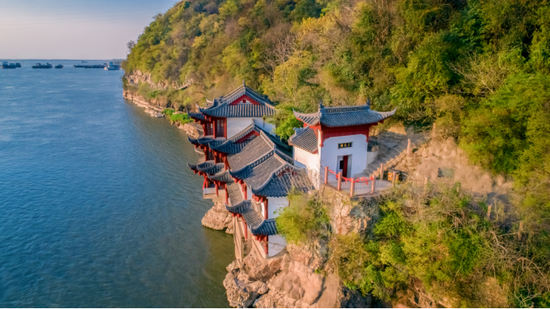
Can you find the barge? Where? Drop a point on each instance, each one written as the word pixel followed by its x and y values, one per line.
pixel 42 66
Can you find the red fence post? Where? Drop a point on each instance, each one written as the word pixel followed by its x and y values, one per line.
pixel 326 175
pixel 339 181
pixel 373 183
pixel 352 188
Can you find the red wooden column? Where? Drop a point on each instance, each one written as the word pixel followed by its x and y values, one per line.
pixel 225 162
pixel 265 208
pixel 266 248
pixel 216 184
pixel 245 191
pixel 214 128
pixel 225 127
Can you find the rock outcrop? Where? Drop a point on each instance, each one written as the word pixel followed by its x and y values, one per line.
pixel 289 281
pixel 192 129
pixel 442 160
pixel 349 215
pixel 218 218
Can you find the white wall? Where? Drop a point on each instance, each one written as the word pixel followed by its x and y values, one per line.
pixel 330 152
pixel 273 204
pixel 268 127
pixel 371 157
pixel 236 125
pixel 276 244
pixel 309 161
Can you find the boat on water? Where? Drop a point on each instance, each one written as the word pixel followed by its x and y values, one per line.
pixel 17 65
pixel 95 66
pixel 78 65
pixel 42 66
pixel 59 66
pixel 6 65
pixel 112 67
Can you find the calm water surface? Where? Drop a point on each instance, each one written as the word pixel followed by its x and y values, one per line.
pixel 97 205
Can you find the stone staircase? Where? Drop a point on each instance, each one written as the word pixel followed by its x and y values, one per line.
pixel 392 149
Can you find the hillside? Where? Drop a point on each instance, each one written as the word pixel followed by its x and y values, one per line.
pixel 478 69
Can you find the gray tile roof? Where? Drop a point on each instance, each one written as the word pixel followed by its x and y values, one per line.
pixel 198 116
pixel 240 208
pixel 233 146
pixel 254 219
pixel 342 116
pixel 221 107
pixel 208 167
pixel 200 155
pixel 222 176
pixel 257 148
pixel 273 175
pixel 268 227
pixel 258 225
pixel 304 138
pixel 204 140
pixel 283 180
pixel 235 194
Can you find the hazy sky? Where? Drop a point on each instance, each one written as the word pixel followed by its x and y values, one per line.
pixel 73 29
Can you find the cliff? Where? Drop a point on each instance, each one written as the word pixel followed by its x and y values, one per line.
pixel 300 276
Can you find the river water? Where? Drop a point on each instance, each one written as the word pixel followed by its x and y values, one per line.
pixel 97 205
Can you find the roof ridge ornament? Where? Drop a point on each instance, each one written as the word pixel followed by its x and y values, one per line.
pixel 244 83
pixel 368 103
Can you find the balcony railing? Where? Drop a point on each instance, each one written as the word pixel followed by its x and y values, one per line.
pixel 355 186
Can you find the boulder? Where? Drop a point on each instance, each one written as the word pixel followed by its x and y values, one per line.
pixel 261 269
pixel 218 218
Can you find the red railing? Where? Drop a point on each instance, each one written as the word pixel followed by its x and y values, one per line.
pixel 361 185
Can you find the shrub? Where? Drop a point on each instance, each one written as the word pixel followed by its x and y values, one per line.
pixel 304 219
pixel 181 118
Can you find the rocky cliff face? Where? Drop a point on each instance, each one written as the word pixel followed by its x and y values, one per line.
pixel 138 77
pixel 297 278
pixel 218 218
pixel 158 104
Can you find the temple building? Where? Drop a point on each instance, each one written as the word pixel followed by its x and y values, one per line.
pixel 245 165
pixel 337 138
pixel 242 160
pixel 229 115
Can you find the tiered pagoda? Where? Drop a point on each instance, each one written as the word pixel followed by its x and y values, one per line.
pixel 241 158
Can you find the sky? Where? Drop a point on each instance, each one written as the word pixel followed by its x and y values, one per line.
pixel 73 29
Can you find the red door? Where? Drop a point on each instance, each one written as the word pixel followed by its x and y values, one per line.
pixel 345 168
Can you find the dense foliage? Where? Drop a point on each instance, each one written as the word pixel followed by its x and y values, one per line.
pixel 181 118
pixel 479 69
pixel 447 247
pixel 306 219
